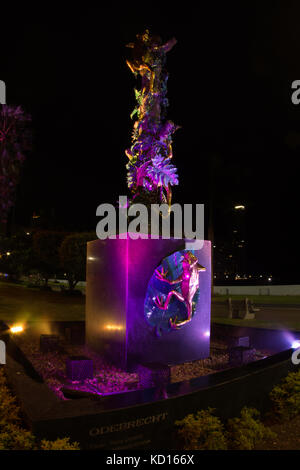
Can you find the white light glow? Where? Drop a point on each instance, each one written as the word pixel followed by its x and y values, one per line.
pixel 113 327
pixel 17 329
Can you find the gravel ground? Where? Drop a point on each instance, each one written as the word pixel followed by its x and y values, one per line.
pixel 108 378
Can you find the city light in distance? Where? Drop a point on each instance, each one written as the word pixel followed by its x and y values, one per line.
pixel 239 207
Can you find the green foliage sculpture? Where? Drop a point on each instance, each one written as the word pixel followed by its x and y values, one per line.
pixel 151 173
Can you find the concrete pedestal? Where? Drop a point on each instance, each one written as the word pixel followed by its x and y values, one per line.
pixel 119 272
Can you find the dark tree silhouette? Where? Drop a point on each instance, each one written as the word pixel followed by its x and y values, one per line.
pixel 14 142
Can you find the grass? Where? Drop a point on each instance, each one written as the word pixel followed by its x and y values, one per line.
pixel 20 304
pixel 261 299
pixel 275 312
pixel 284 325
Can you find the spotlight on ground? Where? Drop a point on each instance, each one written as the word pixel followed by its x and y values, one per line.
pixel 113 327
pixel 16 329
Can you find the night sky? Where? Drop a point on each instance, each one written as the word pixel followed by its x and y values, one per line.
pixel 229 88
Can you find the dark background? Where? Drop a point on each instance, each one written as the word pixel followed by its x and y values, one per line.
pixel 230 81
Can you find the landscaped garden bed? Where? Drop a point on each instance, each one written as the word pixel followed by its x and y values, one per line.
pixel 107 378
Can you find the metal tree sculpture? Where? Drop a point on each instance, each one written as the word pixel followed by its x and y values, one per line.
pixel 14 141
pixel 150 171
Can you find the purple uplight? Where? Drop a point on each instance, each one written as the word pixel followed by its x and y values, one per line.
pixel 207 333
pixel 295 344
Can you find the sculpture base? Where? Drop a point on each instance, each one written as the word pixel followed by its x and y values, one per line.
pixel 120 283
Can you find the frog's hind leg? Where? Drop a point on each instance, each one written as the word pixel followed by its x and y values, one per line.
pixel 164 306
pixel 174 324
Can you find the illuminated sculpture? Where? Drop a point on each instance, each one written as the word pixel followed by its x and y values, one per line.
pixel 150 171
pixel 134 314
pixel 189 284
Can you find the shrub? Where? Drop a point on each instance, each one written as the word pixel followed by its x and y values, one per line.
pixel 19 261
pixel 285 397
pixel 60 444
pixel 202 431
pixel 247 431
pixel 14 437
pixel 9 411
pixel 72 254
pixel 46 251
